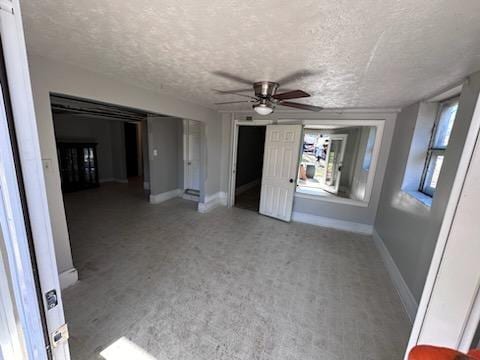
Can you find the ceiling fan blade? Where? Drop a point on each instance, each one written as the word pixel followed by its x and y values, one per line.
pixel 233 77
pixel 297 75
pixel 294 94
pixel 300 106
pixel 242 95
pixel 233 102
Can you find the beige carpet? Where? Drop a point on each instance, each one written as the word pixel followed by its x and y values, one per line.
pixel 229 285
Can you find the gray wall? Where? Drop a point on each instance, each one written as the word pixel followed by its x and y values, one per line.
pixel 109 136
pixel 251 143
pixel 163 136
pixel 408 228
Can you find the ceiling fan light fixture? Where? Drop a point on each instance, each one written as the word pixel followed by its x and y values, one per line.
pixel 263 108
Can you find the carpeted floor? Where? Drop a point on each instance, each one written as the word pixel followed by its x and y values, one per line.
pixel 230 284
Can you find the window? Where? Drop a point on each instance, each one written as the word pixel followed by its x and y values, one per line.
pixel 442 129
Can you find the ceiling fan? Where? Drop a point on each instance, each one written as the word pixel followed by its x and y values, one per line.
pixel 265 93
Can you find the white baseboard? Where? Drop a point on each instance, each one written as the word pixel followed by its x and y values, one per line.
pixel 212 201
pixel 159 198
pixel 68 278
pixel 146 185
pixel 241 189
pixel 409 303
pixel 332 223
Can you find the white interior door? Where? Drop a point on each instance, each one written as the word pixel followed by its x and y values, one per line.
pixel 193 156
pixel 282 148
pixel 334 161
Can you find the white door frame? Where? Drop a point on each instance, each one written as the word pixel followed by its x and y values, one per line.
pixel 233 153
pixel 19 84
pixel 16 253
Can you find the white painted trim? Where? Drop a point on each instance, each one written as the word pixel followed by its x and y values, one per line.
pixel 446 93
pixel 68 278
pixel 146 185
pixel 332 223
pixel 409 303
pixel 11 341
pixel 17 254
pixel 213 201
pixel 245 187
pixel 159 198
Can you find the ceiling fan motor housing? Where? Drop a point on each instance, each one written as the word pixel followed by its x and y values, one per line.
pixel 265 89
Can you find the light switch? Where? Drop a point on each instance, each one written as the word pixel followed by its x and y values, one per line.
pixel 155 152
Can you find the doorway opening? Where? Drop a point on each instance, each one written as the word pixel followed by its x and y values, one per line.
pixel 249 166
pixel 133 149
pixel 98 144
pixel 191 159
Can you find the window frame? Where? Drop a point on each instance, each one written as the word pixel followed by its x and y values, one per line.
pixel 433 151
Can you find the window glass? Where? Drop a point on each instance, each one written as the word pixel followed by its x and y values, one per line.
pixel 445 124
pixel 433 173
pixel 438 145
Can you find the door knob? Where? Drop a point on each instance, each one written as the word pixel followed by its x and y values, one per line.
pixel 291 180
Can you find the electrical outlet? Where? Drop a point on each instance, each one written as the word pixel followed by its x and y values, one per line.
pixel 155 152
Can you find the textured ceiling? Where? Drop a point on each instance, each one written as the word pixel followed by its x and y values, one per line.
pixel 369 53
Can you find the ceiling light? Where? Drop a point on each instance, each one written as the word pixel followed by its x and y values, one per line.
pixel 264 108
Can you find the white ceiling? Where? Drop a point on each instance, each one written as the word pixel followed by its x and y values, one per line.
pixel 369 53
